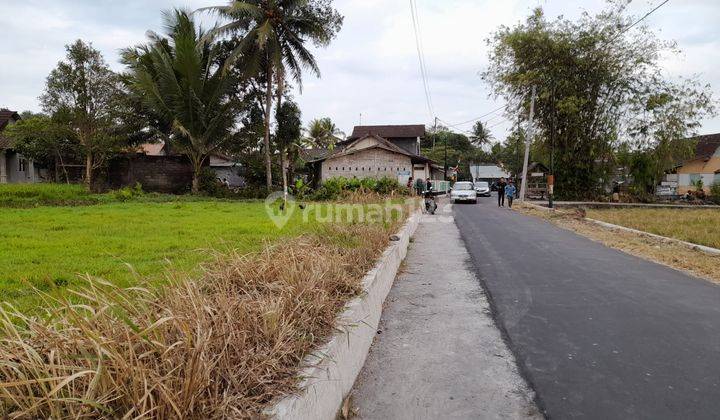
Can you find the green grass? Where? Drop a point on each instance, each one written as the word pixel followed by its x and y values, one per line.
pixel 52 234
pixel 699 226
pixel 32 195
pixel 49 247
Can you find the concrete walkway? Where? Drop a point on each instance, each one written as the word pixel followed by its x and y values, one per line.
pixel 438 353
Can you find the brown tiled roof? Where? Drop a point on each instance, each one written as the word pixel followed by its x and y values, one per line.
pixel 388 131
pixel 312 155
pixel 5 143
pixel 6 116
pixel 340 149
pixel 707 145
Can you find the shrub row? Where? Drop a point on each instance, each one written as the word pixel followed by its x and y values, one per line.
pixel 338 187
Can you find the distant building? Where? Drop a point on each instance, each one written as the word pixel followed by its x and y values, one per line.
pixel 379 151
pixel 226 168
pixel 488 172
pixel 14 167
pixel 704 165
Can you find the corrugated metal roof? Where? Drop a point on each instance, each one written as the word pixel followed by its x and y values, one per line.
pixel 488 171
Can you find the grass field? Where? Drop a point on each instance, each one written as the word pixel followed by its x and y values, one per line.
pixel 701 226
pixel 222 339
pixel 48 247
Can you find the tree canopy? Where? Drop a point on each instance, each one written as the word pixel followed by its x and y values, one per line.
pixel 271 38
pixel 598 85
pixel 84 94
pixel 180 79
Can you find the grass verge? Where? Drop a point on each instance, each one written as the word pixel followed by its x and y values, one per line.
pixel 699 226
pixel 677 256
pixel 221 346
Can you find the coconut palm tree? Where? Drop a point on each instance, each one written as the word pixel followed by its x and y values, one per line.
pixel 322 132
pixel 481 135
pixel 180 79
pixel 272 36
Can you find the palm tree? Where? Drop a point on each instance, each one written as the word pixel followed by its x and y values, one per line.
pixel 481 135
pixel 180 79
pixel 272 36
pixel 322 132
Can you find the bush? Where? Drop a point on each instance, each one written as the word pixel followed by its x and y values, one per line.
pixel 339 187
pixel 211 186
pixel 715 193
pixel 127 193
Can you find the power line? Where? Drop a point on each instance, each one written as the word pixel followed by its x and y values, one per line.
pixel 477 118
pixel 637 21
pixel 498 123
pixel 421 57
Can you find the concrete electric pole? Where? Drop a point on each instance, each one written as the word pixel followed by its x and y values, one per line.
pixel 528 141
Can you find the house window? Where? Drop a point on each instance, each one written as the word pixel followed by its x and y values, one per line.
pixel 695 178
pixel 343 168
pixel 22 164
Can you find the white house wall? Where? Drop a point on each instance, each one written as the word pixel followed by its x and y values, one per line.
pixel 14 174
pixel 371 163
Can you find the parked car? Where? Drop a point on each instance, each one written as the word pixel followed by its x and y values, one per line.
pixel 463 191
pixel 482 189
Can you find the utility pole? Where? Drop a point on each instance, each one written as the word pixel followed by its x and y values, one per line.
pixel 528 140
pixel 360 119
pixel 551 178
pixel 446 167
pixel 434 133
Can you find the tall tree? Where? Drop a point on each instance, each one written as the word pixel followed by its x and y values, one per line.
pixel 287 135
pixel 322 132
pixel 594 80
pixel 181 80
pixel 82 92
pixel 272 38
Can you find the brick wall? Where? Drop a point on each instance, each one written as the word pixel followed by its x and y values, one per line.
pixel 373 163
pixel 167 174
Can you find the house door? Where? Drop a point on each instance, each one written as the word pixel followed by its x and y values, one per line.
pixel 419 172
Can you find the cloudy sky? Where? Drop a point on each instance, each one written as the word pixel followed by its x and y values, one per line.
pixel 370 69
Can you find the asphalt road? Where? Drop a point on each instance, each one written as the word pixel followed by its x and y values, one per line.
pixel 598 333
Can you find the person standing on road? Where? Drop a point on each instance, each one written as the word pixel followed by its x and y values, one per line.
pixel 510 192
pixel 428 185
pixel 501 192
pixel 420 186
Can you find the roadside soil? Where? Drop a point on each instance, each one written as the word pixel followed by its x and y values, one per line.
pixel 696 263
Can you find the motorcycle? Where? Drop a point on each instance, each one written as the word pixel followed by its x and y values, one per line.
pixel 430 204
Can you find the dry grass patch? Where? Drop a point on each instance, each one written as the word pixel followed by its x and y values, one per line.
pixel 223 346
pixel 677 256
pixel 699 226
